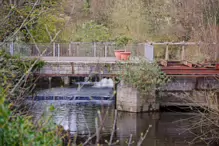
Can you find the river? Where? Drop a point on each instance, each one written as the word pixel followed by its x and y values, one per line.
pixel 78 116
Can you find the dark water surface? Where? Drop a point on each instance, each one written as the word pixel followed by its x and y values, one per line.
pixel 79 117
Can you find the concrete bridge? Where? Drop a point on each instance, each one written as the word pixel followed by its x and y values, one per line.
pixel 191 85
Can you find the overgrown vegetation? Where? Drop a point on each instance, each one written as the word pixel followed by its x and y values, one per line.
pixel 21 131
pixel 159 20
pixel 16 127
pixel 92 32
pixel 143 75
pixel 99 20
pixel 12 70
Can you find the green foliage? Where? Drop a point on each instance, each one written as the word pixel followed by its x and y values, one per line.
pixel 47 26
pixel 92 32
pixel 122 41
pixel 12 68
pixel 19 17
pixel 86 6
pixel 19 130
pixel 142 75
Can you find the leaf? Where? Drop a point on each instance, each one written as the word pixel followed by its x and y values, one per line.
pixel 51 108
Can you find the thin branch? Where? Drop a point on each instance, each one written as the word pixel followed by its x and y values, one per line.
pixel 23 23
pixel 33 39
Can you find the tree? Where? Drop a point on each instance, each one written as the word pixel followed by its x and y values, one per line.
pixel 18 16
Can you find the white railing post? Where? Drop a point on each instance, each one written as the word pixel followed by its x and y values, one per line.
pixel 58 51
pixel 167 52
pixel 95 49
pixel 106 51
pixel 183 52
pixel 54 49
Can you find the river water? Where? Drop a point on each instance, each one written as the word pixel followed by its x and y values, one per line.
pixel 78 116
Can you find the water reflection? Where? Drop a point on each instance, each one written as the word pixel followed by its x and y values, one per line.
pixel 80 118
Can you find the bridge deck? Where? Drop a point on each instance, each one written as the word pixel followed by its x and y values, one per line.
pixel 79 59
pixel 172 68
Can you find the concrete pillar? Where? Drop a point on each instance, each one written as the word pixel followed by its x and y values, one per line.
pixel 66 81
pixel 129 99
pixel 50 82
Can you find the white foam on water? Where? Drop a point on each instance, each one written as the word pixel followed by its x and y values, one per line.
pixel 104 83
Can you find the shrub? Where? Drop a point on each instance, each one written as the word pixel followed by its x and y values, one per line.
pixel 92 32
pixel 143 75
pixel 16 128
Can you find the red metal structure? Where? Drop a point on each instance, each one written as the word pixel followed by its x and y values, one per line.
pixel 188 68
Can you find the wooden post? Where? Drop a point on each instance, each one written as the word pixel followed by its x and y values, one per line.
pixel 216 52
pixel 183 52
pixel 54 49
pixel 106 51
pixel 95 49
pixel 167 52
pixel 50 82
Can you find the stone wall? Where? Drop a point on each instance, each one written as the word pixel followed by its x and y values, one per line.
pixel 57 68
pixel 78 68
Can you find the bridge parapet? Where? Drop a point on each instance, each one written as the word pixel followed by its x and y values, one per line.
pixel 79 69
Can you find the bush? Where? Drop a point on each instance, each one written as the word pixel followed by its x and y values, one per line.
pixel 20 131
pixel 92 32
pixel 16 128
pixel 143 75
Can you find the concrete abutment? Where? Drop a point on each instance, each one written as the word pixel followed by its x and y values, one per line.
pixel 200 92
pixel 129 99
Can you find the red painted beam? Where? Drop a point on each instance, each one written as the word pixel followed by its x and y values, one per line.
pixel 191 71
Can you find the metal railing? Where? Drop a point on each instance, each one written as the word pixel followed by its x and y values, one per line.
pixel 74 49
pixel 99 49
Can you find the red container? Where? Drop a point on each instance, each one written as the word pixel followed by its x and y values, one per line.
pixel 217 66
pixel 118 54
pixel 125 55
